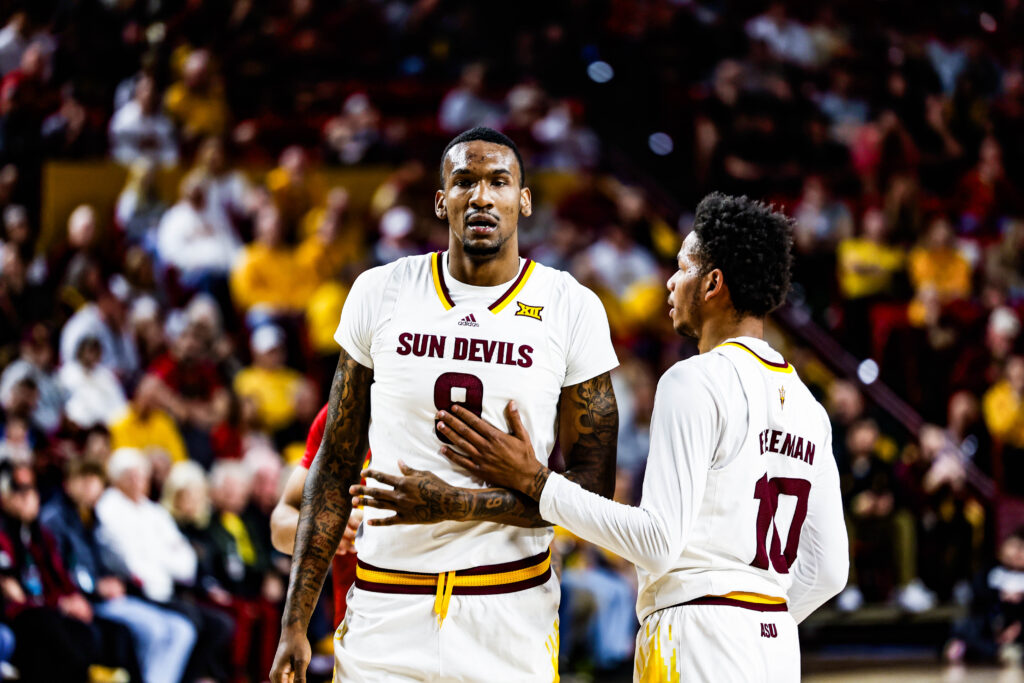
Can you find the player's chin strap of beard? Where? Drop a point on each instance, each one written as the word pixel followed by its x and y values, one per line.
pixel 443 596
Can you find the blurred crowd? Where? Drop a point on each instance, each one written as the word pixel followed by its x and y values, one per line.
pixel 160 366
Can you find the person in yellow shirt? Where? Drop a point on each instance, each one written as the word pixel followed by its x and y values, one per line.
pixel 268 275
pixel 329 243
pixel 275 388
pixel 294 187
pixel 936 264
pixel 1003 405
pixel 867 267
pixel 196 103
pixel 146 427
pixel 867 263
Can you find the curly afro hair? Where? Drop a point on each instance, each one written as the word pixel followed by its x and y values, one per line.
pixel 751 244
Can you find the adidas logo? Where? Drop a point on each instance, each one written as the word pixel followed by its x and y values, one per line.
pixel 469 321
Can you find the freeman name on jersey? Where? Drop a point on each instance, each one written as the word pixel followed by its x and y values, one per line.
pixel 792 445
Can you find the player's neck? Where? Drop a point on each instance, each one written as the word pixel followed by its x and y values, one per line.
pixel 717 330
pixel 484 272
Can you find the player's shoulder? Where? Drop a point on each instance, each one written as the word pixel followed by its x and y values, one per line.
pixel 706 372
pixel 400 269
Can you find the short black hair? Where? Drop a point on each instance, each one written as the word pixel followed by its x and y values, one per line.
pixel 486 135
pixel 751 244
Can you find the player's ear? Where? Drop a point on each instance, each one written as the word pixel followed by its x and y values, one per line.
pixel 440 207
pixel 525 202
pixel 714 283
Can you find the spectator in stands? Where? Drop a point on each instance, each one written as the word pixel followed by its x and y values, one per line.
pixel 196 103
pixel 333 244
pixel 49 616
pixel 139 130
pixel 266 280
pixel 139 532
pixel 1003 406
pixel 985 194
pixel 36 362
pixel 163 639
pixel 94 395
pixel 882 532
pixel 139 206
pixel 187 241
pixel 1004 262
pixel 936 265
pixel 69 132
pixel 144 536
pixel 275 388
pixel 867 266
pixel 192 392
pixel 464 106
pixel 354 136
pixel 992 629
pixel 14 40
pixel 186 498
pixel 788 39
pixel 228 194
pixel 147 428
pixel 103 319
pixel 242 566
pixel 294 188
pixel 26 97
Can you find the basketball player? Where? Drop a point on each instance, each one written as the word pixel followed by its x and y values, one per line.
pixel 739 534
pixel 284 520
pixel 471 595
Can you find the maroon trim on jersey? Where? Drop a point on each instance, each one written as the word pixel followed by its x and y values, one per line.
pixel 472 571
pixel 731 602
pixel 513 587
pixel 783 365
pixel 375 587
pixel 512 288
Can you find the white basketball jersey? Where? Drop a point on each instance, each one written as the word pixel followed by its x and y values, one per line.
pixel 773 455
pixel 741 493
pixel 432 342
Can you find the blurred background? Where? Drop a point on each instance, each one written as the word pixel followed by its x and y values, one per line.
pixel 188 188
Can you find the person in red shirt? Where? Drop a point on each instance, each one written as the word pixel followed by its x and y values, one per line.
pixel 284 520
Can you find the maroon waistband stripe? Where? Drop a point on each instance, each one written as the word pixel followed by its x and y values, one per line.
pixel 375 587
pixel 472 571
pixel 732 602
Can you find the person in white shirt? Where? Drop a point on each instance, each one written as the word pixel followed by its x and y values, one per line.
pixel 140 130
pixel 470 594
pixel 95 397
pixel 739 534
pixel 189 242
pixel 141 533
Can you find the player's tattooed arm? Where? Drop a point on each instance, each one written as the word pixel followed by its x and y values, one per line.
pixel 420 497
pixel 325 504
pixel 588 432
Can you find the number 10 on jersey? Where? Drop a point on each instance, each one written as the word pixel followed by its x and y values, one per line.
pixel 767 491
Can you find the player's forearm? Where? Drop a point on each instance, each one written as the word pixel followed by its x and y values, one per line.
pixel 325 501
pixel 284 522
pixel 638 534
pixel 503 506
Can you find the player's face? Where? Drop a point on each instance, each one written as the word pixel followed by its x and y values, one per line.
pixel 482 199
pixel 684 288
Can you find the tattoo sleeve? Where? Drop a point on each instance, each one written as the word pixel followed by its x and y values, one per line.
pixel 588 434
pixel 326 502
